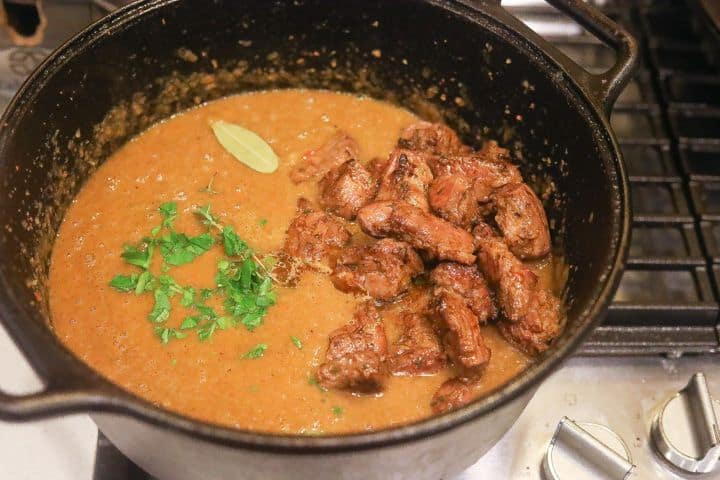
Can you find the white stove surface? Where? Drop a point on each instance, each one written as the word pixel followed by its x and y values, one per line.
pixel 619 392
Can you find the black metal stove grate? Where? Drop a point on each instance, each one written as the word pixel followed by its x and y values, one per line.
pixel 668 124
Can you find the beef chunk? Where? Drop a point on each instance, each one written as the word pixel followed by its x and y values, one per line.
pixel 534 333
pixel 451 395
pixel 521 219
pixel 382 270
pixel 458 327
pixel 470 284
pixel 356 354
pixel 434 138
pixel 490 166
pixel 532 314
pixel 405 177
pixel 338 149
pixel 314 235
pixel 437 237
pixel 417 351
pixel 451 198
pixel 343 190
pixel 463 186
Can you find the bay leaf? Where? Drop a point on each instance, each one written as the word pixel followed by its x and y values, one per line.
pixel 245 145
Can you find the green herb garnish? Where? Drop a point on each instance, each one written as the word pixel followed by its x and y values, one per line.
pixel 257 351
pixel 262 222
pixel 337 411
pixel 296 341
pixel 243 281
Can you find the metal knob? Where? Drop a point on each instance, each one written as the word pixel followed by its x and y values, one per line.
pixel 581 451
pixel 685 430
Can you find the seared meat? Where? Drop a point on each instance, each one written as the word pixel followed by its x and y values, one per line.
pixel 417 351
pixel 491 166
pixel 532 314
pixel 338 149
pixel 356 354
pixel 459 330
pixel 470 284
pixel 382 270
pixel 521 218
pixel 451 197
pixel 314 235
pixel 463 185
pixel 406 177
pixel 422 230
pixel 451 395
pixel 434 138
pixel 343 190
pixel 534 333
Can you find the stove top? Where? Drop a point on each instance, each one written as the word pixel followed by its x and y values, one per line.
pixel 668 124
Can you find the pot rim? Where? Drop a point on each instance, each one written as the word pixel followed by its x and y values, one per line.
pixel 111 398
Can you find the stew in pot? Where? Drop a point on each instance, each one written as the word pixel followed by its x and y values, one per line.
pixel 305 262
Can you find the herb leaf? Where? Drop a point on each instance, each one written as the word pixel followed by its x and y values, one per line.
pixel 337 411
pixel 161 309
pixel 169 212
pixel 246 146
pixel 135 256
pixel 179 249
pixel 257 351
pixel 234 246
pixel 296 341
pixel 124 283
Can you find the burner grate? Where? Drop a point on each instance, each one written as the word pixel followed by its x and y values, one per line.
pixel 668 124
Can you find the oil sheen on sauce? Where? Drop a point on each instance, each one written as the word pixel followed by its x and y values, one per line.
pixel 211 381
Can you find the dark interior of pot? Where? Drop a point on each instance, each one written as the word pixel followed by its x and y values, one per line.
pixel 120 77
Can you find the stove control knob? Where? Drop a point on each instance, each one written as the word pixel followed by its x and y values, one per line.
pixel 685 430
pixel 586 450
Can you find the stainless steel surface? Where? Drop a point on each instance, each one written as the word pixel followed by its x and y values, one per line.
pixel 685 429
pixel 586 450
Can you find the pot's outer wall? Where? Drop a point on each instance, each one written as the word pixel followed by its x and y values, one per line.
pixel 442 456
pixel 132 70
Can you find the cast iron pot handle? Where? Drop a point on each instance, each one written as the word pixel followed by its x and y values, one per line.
pixel 604 88
pixel 68 387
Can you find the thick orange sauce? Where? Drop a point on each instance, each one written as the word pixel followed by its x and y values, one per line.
pixel 174 161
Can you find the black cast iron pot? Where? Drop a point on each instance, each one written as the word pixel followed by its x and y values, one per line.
pixel 469 63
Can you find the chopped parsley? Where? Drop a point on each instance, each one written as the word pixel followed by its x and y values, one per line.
pixel 243 282
pixel 262 222
pixel 337 411
pixel 296 341
pixel 257 351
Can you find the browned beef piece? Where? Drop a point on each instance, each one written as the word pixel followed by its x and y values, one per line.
pixel 451 198
pixel 336 150
pixel 383 270
pixel 490 166
pixel 434 138
pixel 521 219
pixel 406 177
pixel 437 237
pixel 417 351
pixel 451 395
pixel 356 354
pixel 468 282
pixel 463 186
pixel 459 330
pixel 314 235
pixel 343 190
pixel 532 314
